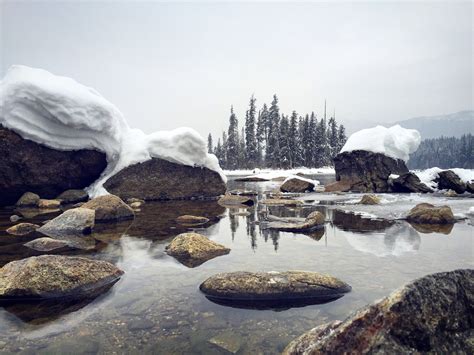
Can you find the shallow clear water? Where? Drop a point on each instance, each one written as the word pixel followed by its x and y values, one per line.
pixel 157 307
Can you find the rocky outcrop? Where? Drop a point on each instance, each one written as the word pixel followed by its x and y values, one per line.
pixel 29 166
pixel 314 221
pixel 296 185
pixel 74 222
pixel 72 196
pixel 366 171
pixel 426 213
pixel 433 314
pixel 158 179
pixel 408 182
pixel 109 208
pixel 53 276
pixel 28 199
pixel 235 200
pixel 370 200
pixel 449 180
pixel 22 229
pixel 192 220
pixel 192 249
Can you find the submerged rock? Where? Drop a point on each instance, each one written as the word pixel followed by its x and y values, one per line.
pixel 51 204
pixel 314 220
pixel 73 222
pixel 251 179
pixel 430 315
pixel 14 218
pixel 365 171
pixel 46 244
pixel 72 196
pixel 409 182
pixel 29 166
pixel 28 199
pixel 158 179
pixel 426 213
pixel 235 200
pixel 297 185
pixel 282 202
pixel 192 220
pixel 241 287
pixel 52 276
pixel 449 180
pixel 370 200
pixel 22 229
pixel 109 208
pixel 228 341
pixel 192 249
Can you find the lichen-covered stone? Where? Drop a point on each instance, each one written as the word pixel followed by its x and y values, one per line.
pixel 73 222
pixel 28 199
pixel 45 244
pixel 369 200
pixel 51 204
pixel 22 229
pixel 433 314
pixel 192 249
pixel 109 208
pixel 426 213
pixel 52 276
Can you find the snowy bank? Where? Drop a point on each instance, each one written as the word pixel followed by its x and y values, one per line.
pixel 60 113
pixel 396 142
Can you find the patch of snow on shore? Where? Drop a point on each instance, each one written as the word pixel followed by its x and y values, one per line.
pixel 278 173
pixel 428 176
pixel 396 142
pixel 60 113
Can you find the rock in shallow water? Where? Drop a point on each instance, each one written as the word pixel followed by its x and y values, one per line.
pixel 46 244
pixel 192 249
pixel 430 315
pixel 449 180
pixel 73 196
pixel 426 213
pixel 191 220
pixel 235 200
pixel 314 220
pixel 52 276
pixel 43 203
pixel 28 199
pixel 257 288
pixel 409 182
pixel 296 185
pixel 109 208
pixel 369 200
pixel 22 229
pixel 73 222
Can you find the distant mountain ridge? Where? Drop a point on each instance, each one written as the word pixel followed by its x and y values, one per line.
pixel 449 125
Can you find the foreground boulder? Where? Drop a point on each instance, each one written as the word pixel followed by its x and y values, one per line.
pixel 29 166
pixel 273 287
pixel 430 315
pixel 72 196
pixel 365 171
pixel 426 213
pixel 28 199
pixel 22 229
pixel 235 200
pixel 297 185
pixel 109 208
pixel 370 200
pixel 53 276
pixel 192 249
pixel 314 221
pixel 73 222
pixel 409 182
pixel 192 220
pixel 158 179
pixel 449 180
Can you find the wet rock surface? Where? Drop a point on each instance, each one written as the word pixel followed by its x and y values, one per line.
pixel 158 179
pixel 370 200
pixel 426 213
pixel 193 249
pixel 366 171
pixel 314 221
pixel 449 180
pixel 72 196
pixel 73 222
pixel 29 166
pixel 23 229
pixel 28 199
pixel 109 208
pixel 45 244
pixel 409 182
pixel 296 185
pixel 430 315
pixel 235 200
pixel 192 220
pixel 52 276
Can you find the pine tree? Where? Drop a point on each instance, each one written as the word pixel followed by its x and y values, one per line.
pixel 294 141
pixel 341 139
pixel 233 143
pixel 242 149
pixel 251 144
pixel 285 159
pixel 210 147
pixel 224 150
pixel 333 137
pixel 273 144
pixel 306 141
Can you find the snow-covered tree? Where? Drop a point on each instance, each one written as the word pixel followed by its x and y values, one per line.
pixel 251 144
pixel 233 143
pixel 210 147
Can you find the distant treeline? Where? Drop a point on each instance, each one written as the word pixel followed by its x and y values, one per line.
pixel 274 140
pixel 444 152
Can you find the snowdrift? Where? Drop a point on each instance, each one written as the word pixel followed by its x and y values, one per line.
pixel 63 114
pixel 396 142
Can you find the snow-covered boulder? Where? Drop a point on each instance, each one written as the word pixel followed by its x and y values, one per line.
pixel 59 114
pixel 370 156
pixel 296 183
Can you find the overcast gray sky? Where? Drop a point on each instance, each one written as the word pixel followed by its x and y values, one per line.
pixel 167 65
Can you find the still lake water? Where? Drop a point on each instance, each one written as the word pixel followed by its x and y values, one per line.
pixel 157 308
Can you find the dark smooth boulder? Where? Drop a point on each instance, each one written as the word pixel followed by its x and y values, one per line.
pixel 433 315
pixel 426 213
pixel 366 171
pixel 409 182
pixel 470 187
pixel 29 166
pixel 296 185
pixel 449 180
pixel 158 179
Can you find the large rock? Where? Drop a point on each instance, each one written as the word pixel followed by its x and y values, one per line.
pixel 426 213
pixel 73 222
pixel 433 314
pixel 28 199
pixel 72 196
pixel 29 166
pixel 109 208
pixel 409 182
pixel 235 200
pixel 240 287
pixel 366 171
pixel 52 276
pixel 158 179
pixel 296 185
pixel 370 200
pixel 192 249
pixel 314 221
pixel 449 180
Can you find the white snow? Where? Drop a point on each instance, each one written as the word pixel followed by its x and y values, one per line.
pixel 428 176
pixel 314 182
pixel 62 114
pixel 396 142
pixel 271 174
pixel 471 211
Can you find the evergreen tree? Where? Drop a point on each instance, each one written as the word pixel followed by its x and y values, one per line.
pixel 333 137
pixel 314 153
pixel 251 144
pixel 224 151
pixel 342 139
pixel 294 142
pixel 285 159
pixel 233 143
pixel 218 152
pixel 262 133
pixel 306 141
pixel 273 143
pixel 243 163
pixel 210 148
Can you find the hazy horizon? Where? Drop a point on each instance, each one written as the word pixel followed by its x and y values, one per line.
pixel 166 65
